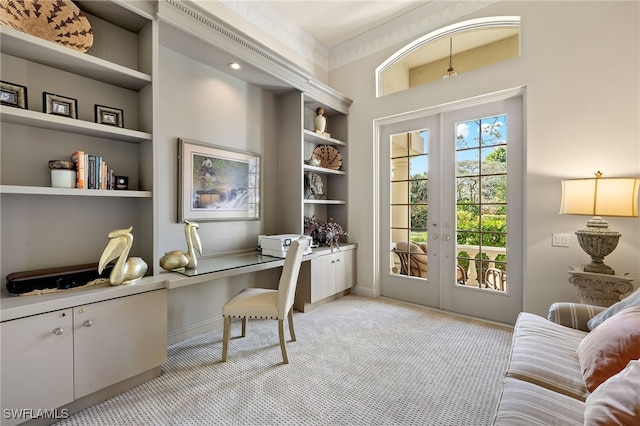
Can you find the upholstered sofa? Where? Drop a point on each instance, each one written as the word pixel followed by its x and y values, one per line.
pixel 579 366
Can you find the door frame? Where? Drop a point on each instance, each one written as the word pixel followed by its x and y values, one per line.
pixel 380 126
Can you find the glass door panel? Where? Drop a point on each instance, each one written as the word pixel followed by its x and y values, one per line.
pixel 409 203
pixel 481 184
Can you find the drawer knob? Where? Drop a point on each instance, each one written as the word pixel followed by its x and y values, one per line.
pixel 88 323
pixel 58 331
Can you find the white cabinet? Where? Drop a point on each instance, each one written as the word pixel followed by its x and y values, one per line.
pixel 115 72
pixel 117 339
pixel 325 277
pixel 37 364
pixel 54 358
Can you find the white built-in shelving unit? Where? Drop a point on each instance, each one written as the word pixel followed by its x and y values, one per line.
pixel 299 141
pixel 115 72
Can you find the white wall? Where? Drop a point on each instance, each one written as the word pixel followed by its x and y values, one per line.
pixel 580 65
pixel 200 103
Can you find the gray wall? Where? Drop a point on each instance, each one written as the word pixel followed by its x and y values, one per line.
pixel 202 104
pixel 580 65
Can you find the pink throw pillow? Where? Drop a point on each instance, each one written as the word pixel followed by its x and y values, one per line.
pixel 608 349
pixel 616 401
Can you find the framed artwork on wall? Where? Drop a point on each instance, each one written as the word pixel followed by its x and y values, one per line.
pixel 217 183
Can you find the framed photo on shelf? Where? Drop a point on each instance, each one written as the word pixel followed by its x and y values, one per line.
pixel 217 183
pixel 59 105
pixel 108 115
pixel 13 95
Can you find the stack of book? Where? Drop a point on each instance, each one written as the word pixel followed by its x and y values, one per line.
pixel 92 172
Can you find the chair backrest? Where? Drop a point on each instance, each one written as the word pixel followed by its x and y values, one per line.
pixel 496 279
pixel 413 259
pixel 289 277
pixel 461 275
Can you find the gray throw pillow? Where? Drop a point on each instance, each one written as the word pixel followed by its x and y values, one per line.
pixel 631 300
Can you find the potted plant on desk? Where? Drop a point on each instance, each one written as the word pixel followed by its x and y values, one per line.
pixel 324 234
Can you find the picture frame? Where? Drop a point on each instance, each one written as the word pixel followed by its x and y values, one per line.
pixel 14 95
pixel 59 105
pixel 217 183
pixel 109 115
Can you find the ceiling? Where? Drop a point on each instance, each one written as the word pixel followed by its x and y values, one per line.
pixel 332 22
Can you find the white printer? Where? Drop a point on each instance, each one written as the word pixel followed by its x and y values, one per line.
pixel 278 245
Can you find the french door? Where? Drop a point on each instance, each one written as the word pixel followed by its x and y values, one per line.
pixel 451 211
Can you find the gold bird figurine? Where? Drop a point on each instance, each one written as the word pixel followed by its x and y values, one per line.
pixel 178 259
pixel 125 271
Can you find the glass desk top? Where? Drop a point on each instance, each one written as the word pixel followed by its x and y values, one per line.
pixel 224 263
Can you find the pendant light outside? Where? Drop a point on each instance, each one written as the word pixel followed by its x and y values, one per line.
pixel 450 71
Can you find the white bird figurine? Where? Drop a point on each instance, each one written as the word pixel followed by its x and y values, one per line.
pixel 125 271
pixel 178 259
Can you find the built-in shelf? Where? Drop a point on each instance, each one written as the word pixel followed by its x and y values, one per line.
pixel 325 202
pixel 324 170
pixel 45 190
pixel 35 49
pixel 314 137
pixel 65 124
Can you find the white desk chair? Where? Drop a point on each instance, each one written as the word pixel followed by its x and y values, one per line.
pixel 260 303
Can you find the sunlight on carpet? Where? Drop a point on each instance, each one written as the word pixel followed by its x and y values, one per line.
pixel 357 361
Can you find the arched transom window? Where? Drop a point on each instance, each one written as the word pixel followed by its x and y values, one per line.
pixel 460 47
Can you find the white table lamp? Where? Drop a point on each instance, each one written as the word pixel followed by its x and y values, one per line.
pixel 599 197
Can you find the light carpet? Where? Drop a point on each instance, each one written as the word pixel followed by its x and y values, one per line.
pixel 357 361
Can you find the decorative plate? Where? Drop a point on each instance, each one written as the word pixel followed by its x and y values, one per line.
pixel 330 158
pixel 59 21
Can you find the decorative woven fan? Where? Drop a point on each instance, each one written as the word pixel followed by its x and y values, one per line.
pixel 59 21
pixel 330 158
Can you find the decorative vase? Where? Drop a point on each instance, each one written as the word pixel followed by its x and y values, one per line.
pixel 63 178
pixel 319 239
pixel 320 120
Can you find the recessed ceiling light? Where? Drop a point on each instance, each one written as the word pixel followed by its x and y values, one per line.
pixel 235 66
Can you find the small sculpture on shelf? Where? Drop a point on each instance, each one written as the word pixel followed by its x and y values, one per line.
pixel 315 162
pixel 320 122
pixel 125 271
pixel 178 259
pixel 314 188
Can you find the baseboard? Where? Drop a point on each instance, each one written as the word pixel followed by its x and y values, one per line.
pixel 365 291
pixel 194 330
pixel 310 306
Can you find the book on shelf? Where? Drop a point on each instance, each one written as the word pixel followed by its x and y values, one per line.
pixel 91 175
pixel 79 158
pixel 92 172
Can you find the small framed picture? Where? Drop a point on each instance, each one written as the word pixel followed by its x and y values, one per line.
pixel 59 105
pixel 13 95
pixel 109 115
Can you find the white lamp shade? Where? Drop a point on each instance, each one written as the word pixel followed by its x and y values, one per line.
pixel 600 197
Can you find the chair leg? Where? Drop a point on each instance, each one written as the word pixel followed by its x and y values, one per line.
pixel 226 334
pixel 282 343
pixel 244 327
pixel 291 330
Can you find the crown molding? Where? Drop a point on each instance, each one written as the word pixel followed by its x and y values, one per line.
pixel 189 18
pixel 275 24
pixel 415 23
